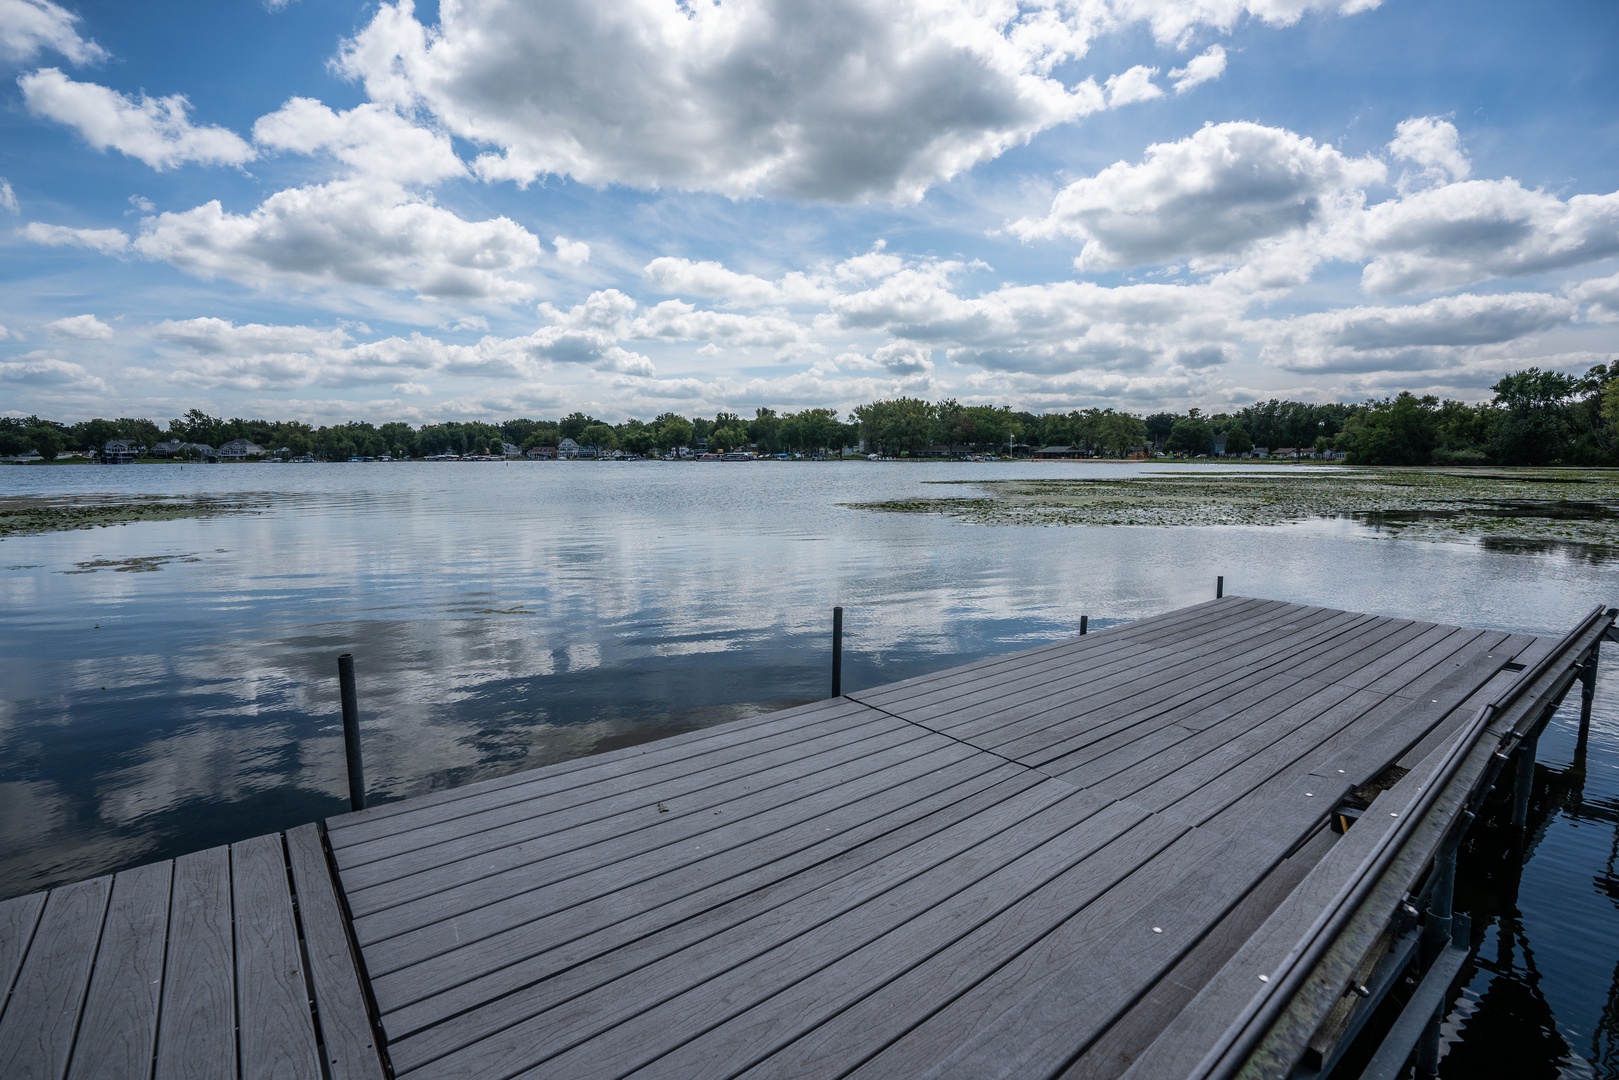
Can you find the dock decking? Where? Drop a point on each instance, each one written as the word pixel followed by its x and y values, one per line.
pixel 1106 854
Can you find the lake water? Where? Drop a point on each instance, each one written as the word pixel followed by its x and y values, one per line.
pixel 504 616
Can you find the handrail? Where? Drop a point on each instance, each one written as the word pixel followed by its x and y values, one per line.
pixel 1247 1030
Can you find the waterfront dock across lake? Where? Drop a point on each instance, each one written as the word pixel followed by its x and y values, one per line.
pixel 1192 845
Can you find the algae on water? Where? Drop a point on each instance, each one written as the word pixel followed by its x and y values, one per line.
pixel 1504 506
pixel 23 515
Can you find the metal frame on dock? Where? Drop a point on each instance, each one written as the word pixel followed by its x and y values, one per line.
pixel 1396 915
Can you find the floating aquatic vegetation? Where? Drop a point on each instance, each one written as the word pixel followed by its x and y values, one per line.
pixel 1549 508
pixel 139 564
pixel 24 515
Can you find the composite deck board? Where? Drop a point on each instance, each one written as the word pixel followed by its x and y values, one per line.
pixel 1088 656
pixel 460 936
pixel 437 843
pixel 18 917
pixel 345 1022
pixel 1167 746
pixel 196 1034
pixel 564 981
pixel 42 1016
pixel 1196 702
pixel 396 935
pixel 1115 698
pixel 1123 1041
pixel 950 709
pixel 276 1031
pixel 714 793
pixel 1151 628
pixel 739 884
pixel 775 947
pixel 581 773
pixel 1028 865
pixel 119 1029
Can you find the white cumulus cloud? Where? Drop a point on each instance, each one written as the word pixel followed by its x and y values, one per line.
pixel 106 241
pixel 30 27
pixel 1434 146
pixel 156 131
pixel 1462 233
pixel 8 198
pixel 1213 195
pixel 1205 67
pixel 1129 87
pixel 83 327
pixel 369 139
pixel 52 374
pixel 1435 334
pixel 845 100
pixel 572 252
pixel 349 232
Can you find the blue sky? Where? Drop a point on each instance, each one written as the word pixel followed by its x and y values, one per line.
pixel 492 208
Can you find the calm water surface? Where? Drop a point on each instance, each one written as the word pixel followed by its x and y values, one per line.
pixel 508 615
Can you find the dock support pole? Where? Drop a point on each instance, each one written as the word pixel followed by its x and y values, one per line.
pixel 351 730
pixel 1219 587
pixel 1084 624
pixel 1524 783
pixel 1435 936
pixel 837 652
pixel 1588 689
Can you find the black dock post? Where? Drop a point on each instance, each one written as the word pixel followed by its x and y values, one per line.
pixel 1524 783
pixel 351 731
pixel 1435 936
pixel 837 652
pixel 1084 624
pixel 1219 587
pixel 1588 689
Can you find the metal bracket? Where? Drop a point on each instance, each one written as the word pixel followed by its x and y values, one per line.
pixel 1426 1001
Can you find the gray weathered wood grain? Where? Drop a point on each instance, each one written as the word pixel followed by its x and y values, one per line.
pixel 196 1035
pixel 42 1017
pixel 350 1043
pixel 119 1029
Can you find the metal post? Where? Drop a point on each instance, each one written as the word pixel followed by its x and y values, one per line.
pixel 1588 689
pixel 351 730
pixel 1524 783
pixel 1219 587
pixel 837 652
pixel 1435 936
pixel 1084 624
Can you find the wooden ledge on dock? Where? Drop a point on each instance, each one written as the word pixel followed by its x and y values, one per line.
pixel 1191 845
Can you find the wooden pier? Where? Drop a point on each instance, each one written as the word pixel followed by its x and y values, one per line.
pixel 1200 844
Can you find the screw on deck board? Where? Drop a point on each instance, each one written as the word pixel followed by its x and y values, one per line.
pixel 351 730
pixel 1084 624
pixel 1219 587
pixel 837 652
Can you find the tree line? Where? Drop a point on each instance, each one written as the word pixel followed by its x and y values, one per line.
pixel 1535 418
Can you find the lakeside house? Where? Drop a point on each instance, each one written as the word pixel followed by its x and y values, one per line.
pixel 569 450
pixel 240 450
pixel 1057 453
pixel 175 448
pixel 119 452
pixel 542 453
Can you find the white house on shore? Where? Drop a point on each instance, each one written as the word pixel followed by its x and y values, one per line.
pixel 240 450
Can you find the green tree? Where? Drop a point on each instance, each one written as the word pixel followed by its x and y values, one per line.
pixel 573 425
pixel 901 426
pixel 1190 435
pixel 673 430
pixel 600 436
pixel 1532 417
pixel 93 435
pixel 46 440
pixel 1402 430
